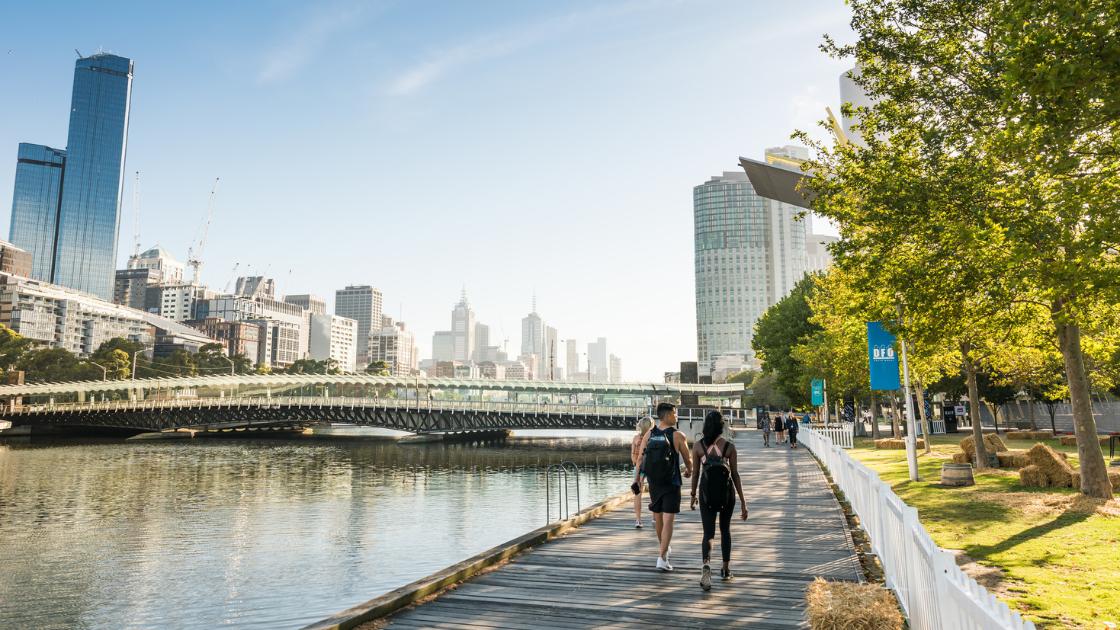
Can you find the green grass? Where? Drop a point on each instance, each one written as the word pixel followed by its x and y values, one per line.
pixel 1060 553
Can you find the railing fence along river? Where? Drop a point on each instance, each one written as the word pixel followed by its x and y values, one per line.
pixel 263 533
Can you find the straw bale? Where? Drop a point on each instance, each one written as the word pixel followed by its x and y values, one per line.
pixel 1018 435
pixel 850 605
pixel 896 443
pixel 991 442
pixel 1057 470
pixel 1071 440
pixel 960 457
pixel 1039 435
pixel 1013 459
pixel 1075 480
pixel 1032 476
pixel 1114 477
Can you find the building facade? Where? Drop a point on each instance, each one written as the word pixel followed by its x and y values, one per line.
pixel 463 326
pixel 572 358
pixel 749 253
pixel 361 303
pixel 396 346
pixel 239 338
pixel 284 337
pixel 616 369
pixel 256 286
pixel 14 260
pixel 85 252
pixel 311 303
pixel 817 256
pixel 598 362
pixel 334 338
pixel 130 287
pixel 35 204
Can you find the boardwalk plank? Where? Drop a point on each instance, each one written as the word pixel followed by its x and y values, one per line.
pixel 602 575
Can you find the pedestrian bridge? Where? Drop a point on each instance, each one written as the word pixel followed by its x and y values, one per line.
pixel 416 405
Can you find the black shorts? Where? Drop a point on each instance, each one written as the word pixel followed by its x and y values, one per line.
pixel 665 499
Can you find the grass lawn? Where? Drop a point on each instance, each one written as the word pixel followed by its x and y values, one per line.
pixel 1056 553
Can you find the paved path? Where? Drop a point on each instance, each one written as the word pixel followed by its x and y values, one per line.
pixel 602 575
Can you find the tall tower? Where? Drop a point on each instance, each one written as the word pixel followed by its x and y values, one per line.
pixel 363 304
pixel 85 252
pixel 35 202
pixel 463 330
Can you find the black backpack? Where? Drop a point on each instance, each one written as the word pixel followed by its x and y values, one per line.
pixel 715 479
pixel 660 458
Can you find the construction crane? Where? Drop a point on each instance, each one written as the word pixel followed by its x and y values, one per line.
pixel 232 275
pixel 136 217
pixel 195 251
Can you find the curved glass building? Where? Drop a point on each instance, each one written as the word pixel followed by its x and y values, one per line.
pixel 749 253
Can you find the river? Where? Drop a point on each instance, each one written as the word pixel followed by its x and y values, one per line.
pixel 258 533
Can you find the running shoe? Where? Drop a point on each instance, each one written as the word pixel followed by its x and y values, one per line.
pixel 706 578
pixel 663 565
pixel 637 524
pixel 725 574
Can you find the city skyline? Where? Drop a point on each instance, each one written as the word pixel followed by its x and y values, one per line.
pixel 188 108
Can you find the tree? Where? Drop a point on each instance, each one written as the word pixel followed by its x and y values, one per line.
pixel 378 368
pixel 55 365
pixel 107 355
pixel 782 327
pixel 13 347
pixel 1025 90
pixel 766 392
pixel 312 366
pixel 995 392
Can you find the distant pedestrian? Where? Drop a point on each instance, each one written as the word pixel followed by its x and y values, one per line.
pixel 779 428
pixel 765 425
pixel 793 429
pixel 644 425
pixel 663 450
pixel 716 461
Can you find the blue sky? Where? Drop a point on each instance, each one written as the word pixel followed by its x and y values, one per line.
pixel 508 147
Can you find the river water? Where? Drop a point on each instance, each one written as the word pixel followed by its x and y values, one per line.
pixel 258 534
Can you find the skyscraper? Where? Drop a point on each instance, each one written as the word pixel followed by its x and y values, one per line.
pixel 361 303
pixel 749 253
pixel 532 333
pixel 572 362
pixel 463 330
pixel 35 202
pixel 598 364
pixel 85 251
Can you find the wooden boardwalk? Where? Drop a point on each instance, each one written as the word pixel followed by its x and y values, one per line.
pixel 603 575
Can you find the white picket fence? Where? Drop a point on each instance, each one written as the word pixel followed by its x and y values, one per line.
pixel 935 594
pixel 842 436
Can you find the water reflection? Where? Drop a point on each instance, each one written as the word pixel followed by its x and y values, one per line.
pixel 257 533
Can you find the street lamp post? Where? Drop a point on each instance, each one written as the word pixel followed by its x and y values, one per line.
pixel 911 430
pixel 134 363
pixel 104 370
pixel 232 365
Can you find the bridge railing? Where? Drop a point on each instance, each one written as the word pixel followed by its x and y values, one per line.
pixel 312 402
pixel 935 594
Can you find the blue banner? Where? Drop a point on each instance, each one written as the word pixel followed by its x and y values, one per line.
pixel 818 392
pixel 882 360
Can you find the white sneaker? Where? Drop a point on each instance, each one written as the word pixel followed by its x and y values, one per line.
pixel 664 565
pixel 637 524
pixel 706 578
pixel 668 552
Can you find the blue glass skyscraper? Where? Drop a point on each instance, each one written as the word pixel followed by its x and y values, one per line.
pixel 35 204
pixel 85 251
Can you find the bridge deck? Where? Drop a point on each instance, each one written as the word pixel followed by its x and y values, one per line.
pixel 602 575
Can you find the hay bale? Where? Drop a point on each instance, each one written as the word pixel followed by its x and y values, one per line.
pixel 1039 435
pixel 1057 471
pixel 1013 459
pixel 1114 477
pixel 896 443
pixel 1032 477
pixel 849 605
pixel 1071 440
pixel 960 457
pixel 1075 480
pixel 992 444
pixel 1018 435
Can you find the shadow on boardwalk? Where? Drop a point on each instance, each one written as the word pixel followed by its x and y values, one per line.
pixel 603 575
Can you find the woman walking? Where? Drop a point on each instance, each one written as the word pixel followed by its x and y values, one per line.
pixel 716 461
pixel 644 425
pixel 779 428
pixel 793 429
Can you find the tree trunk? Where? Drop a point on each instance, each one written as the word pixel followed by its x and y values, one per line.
pixel 874 417
pixel 894 418
pixel 981 462
pixel 995 415
pixel 927 427
pixel 1094 474
pixel 1030 410
pixel 1052 410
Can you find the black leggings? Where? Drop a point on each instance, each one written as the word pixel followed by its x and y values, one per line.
pixel 793 437
pixel 708 518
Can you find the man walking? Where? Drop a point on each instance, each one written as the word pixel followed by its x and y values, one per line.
pixel 663 450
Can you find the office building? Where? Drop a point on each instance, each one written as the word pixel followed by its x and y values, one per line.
pixel 160 260
pixel 177 302
pixel 492 369
pixel 817 256
pixel 851 92
pixel 130 287
pixel 311 303
pixel 749 253
pixel 572 358
pixel 532 333
pixel 616 369
pixel 463 330
pixel 443 346
pixel 517 371
pixel 283 337
pixel 598 363
pixel 396 346
pixel 239 338
pixel 35 205
pixel 334 338
pixel 78 322
pixel 481 343
pixel 361 303
pixel 256 286
pixel 14 260
pixel 85 251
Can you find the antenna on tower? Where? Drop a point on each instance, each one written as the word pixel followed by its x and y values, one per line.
pixel 136 217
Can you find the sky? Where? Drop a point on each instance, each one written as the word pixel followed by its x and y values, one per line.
pixel 427 147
